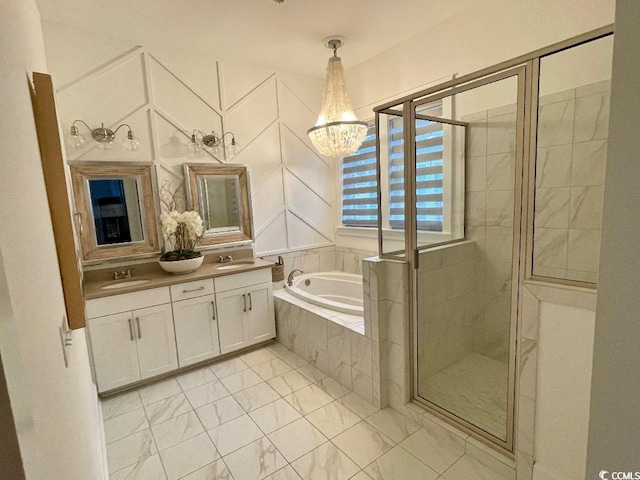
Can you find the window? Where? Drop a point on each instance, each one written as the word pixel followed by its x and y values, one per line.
pixel 359 192
pixel 360 184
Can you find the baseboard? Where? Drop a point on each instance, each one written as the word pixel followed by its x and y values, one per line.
pixel 102 442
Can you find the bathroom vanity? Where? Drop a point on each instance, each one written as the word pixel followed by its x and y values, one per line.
pixel 156 323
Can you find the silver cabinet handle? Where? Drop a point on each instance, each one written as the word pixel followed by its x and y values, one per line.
pixel 139 331
pixel 244 299
pixel 130 330
pixel 250 302
pixel 193 290
pixel 213 309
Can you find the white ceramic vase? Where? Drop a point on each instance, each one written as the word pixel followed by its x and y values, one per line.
pixel 179 267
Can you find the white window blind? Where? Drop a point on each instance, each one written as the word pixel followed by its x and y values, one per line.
pixel 429 175
pixel 360 184
pixel 359 180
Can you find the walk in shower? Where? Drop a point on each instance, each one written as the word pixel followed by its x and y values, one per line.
pixel 460 168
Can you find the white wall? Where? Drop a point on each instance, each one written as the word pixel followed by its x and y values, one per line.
pixel 614 430
pixel 565 351
pixel 55 408
pixel 166 93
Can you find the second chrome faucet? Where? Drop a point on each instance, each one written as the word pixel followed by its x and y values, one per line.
pixel 290 277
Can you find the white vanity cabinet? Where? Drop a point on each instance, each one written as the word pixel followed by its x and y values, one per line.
pixel 194 317
pixel 245 309
pixel 131 337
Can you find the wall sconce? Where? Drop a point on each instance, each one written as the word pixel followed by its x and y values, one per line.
pixel 212 143
pixel 103 136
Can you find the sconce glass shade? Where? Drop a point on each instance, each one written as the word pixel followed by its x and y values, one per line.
pixel 232 148
pixel 131 142
pixel 337 132
pixel 74 138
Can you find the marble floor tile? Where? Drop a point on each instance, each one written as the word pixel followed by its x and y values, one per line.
pixel 271 368
pixel 228 367
pixel 332 387
pixel 437 450
pixel 214 471
pixel 308 399
pixel 473 388
pixel 149 468
pixel 358 405
pixel 160 390
pixel 296 439
pixel 277 349
pixel 398 464
pixel 289 382
pixel 241 380
pixel 393 424
pixel 333 419
pixel 221 411
pixel 363 443
pixel 256 396
pixel 176 430
pixel 120 403
pixel 468 468
pixel 312 373
pixel 286 473
pixel 195 378
pixel 257 356
pixel 255 461
pixel 124 425
pixel 170 407
pixel 274 415
pixel 130 450
pixel 188 456
pixel 208 393
pixel 293 359
pixel 235 434
pixel 326 462
pixel 361 476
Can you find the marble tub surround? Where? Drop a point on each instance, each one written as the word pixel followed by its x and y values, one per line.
pixel 346 437
pixel 570 168
pixel 95 280
pixel 334 344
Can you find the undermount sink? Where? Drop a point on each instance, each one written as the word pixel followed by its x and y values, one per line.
pixel 125 284
pixel 234 265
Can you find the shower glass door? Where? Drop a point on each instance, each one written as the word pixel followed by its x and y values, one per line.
pixel 468 170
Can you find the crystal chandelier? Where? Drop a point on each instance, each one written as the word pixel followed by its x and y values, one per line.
pixel 337 132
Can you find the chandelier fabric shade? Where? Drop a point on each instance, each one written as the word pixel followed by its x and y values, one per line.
pixel 337 132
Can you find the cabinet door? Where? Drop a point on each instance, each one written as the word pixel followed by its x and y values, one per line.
pixel 232 307
pixel 260 319
pixel 196 329
pixel 113 346
pixel 155 340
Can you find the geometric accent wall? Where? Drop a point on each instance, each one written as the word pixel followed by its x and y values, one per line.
pixel 164 94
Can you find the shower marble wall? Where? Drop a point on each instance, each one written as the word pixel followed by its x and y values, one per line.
pixel 572 149
pixel 446 308
pixel 490 175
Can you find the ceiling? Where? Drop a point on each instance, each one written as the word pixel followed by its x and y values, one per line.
pixel 286 36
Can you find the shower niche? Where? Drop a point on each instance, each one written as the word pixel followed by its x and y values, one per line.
pixel 478 184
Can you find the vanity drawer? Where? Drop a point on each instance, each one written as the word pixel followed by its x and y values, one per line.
pixel 240 280
pixel 99 307
pixel 183 291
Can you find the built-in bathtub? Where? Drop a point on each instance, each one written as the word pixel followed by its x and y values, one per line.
pixel 337 291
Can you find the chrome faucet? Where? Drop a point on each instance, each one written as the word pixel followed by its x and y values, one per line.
pixel 290 277
pixel 122 274
pixel 228 258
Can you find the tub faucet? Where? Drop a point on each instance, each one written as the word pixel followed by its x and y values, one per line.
pixel 290 277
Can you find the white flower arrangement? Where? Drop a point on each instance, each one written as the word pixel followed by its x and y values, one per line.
pixel 181 230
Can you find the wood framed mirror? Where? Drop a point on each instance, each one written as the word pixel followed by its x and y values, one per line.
pixel 115 208
pixel 220 194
